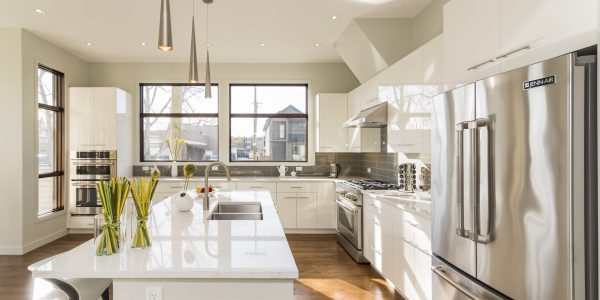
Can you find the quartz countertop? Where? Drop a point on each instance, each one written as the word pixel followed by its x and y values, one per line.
pixel 187 245
pixel 261 178
pixel 419 202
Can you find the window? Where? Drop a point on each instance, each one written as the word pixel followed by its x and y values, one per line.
pixel 268 122
pixel 170 111
pixel 50 99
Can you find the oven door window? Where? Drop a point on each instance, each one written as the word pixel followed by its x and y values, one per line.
pixel 93 170
pixel 346 219
pixel 87 196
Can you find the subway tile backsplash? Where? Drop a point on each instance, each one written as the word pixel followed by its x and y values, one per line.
pixel 383 166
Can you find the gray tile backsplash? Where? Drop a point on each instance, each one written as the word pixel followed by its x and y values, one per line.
pixel 383 167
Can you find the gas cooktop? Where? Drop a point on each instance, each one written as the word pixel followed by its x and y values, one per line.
pixel 371 185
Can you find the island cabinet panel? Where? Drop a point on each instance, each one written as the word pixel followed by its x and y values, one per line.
pixel 286 209
pixel 326 216
pixel 306 210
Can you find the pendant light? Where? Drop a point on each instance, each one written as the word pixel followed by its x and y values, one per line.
pixel 193 72
pixel 207 83
pixel 165 38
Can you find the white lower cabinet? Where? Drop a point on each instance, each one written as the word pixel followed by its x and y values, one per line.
pixel 397 244
pixel 326 215
pixel 286 209
pixel 306 210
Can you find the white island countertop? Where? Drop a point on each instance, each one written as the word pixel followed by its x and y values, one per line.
pixel 185 245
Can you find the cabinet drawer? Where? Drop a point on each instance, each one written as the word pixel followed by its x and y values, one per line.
pixel 169 186
pixel 296 187
pixel 81 222
pixel 271 186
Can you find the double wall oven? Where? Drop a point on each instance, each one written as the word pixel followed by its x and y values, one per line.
pixel 87 169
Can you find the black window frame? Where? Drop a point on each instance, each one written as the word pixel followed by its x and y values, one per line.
pixel 171 115
pixel 59 144
pixel 271 115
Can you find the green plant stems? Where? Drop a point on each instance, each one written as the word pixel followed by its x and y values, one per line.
pixel 113 194
pixel 142 192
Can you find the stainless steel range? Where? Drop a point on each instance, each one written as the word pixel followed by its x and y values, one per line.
pixel 349 201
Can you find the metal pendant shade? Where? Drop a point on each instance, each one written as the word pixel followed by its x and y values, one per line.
pixel 165 38
pixel 193 74
pixel 207 83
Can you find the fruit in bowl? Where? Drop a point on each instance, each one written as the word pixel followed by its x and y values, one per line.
pixel 202 190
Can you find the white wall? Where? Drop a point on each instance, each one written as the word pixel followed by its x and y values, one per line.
pixel 11 135
pixel 321 77
pixel 20 229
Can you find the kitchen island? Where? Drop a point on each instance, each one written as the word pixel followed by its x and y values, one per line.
pixel 192 257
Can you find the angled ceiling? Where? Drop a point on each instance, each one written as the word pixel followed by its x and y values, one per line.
pixel 288 28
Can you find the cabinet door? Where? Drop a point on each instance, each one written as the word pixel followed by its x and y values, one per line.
pixel 353 133
pixel 470 40
pixel 520 27
pixel 105 118
pixel 407 252
pixel 326 216
pixel 306 210
pixel 387 248
pixel 433 84
pixel 368 233
pixel 80 119
pixel 258 185
pixel 422 282
pixel 331 115
pixel 286 209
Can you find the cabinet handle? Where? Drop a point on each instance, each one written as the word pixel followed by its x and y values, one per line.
pixel 402 144
pixel 296 187
pixel 302 197
pixel 256 187
pixel 491 60
pixel 511 52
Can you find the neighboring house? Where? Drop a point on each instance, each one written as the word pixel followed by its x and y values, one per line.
pixel 285 138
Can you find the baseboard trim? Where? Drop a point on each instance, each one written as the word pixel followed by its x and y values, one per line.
pixel 310 231
pixel 44 240
pixel 10 250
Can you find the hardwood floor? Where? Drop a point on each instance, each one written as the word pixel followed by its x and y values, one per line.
pixel 326 271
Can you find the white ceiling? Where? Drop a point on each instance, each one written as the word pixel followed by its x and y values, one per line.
pixel 289 28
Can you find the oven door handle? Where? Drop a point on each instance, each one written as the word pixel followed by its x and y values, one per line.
pixel 346 206
pixel 93 163
pixel 84 184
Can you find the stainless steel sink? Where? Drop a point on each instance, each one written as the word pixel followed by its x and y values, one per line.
pixel 242 216
pixel 237 211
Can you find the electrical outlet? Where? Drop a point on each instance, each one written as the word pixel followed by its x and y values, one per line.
pixel 298 169
pixel 368 170
pixel 215 168
pixel 146 168
pixel 154 293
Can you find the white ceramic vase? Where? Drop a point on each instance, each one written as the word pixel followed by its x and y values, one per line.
pixel 184 202
pixel 174 169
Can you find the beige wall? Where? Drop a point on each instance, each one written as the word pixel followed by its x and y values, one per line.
pixel 38 51
pixel 322 78
pixel 20 229
pixel 11 135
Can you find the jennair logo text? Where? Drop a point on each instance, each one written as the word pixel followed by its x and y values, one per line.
pixel 539 82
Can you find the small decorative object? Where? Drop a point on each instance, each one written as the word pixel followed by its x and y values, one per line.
pixel 113 194
pixel 185 202
pixel 202 190
pixel 175 147
pixel 142 192
pixel 155 172
pixel 282 169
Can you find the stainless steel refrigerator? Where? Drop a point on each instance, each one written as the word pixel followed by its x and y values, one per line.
pixel 514 184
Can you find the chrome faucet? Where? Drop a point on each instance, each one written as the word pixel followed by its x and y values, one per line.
pixel 206 171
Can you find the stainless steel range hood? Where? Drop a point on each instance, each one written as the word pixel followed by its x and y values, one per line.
pixel 372 117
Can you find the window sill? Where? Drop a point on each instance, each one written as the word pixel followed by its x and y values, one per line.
pixel 46 217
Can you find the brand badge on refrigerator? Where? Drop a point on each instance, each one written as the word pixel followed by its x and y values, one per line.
pixel 539 82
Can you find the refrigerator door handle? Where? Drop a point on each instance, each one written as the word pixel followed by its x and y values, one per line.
pixel 439 270
pixel 460 228
pixel 475 181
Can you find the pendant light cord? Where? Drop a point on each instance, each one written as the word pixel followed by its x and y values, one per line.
pixel 207 25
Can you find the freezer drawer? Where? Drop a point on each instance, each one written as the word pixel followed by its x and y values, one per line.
pixel 450 284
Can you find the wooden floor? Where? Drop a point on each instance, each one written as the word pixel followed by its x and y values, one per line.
pixel 326 270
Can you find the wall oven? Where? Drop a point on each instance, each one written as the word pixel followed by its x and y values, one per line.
pixel 87 169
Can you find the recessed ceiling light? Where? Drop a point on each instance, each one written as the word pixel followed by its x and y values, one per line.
pixel 143 44
pixel 334 17
pixel 208 44
pixel 262 44
pixel 317 44
pixel 89 44
pixel 39 11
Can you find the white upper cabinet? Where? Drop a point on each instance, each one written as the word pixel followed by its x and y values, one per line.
pixel 485 37
pixel 471 40
pixel 105 118
pixel 331 115
pixel 353 109
pixel 433 84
